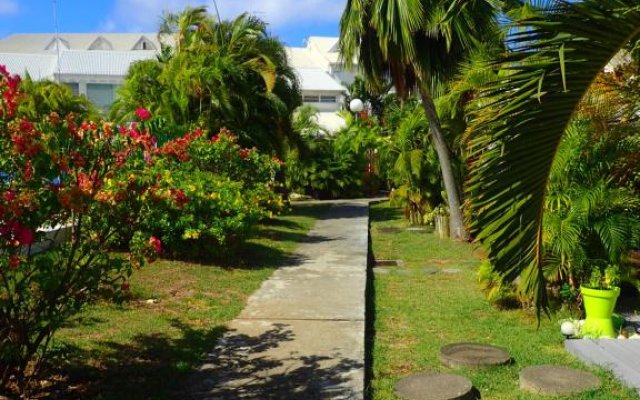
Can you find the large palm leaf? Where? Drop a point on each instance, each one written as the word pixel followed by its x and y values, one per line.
pixel 553 61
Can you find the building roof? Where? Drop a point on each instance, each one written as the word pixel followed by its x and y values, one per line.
pixel 100 62
pixel 315 79
pixel 38 66
pixel 111 54
pixel 41 42
pixel 74 62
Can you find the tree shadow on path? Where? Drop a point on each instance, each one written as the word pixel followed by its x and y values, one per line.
pixel 240 368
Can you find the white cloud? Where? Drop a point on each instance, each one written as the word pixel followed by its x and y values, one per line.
pixel 144 15
pixel 8 7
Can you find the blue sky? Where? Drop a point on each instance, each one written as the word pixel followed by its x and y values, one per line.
pixel 291 20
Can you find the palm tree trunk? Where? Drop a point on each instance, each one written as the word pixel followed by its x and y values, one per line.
pixel 456 223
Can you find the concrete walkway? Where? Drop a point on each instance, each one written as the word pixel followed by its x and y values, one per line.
pixel 619 356
pixel 301 335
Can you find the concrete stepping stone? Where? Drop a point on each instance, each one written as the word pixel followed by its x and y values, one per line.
pixel 389 229
pixel 452 270
pixel 555 380
pixel 435 386
pixel 388 263
pixel 473 355
pixel 430 271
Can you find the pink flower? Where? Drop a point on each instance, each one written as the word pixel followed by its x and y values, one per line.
pixel 143 114
pixel 155 244
pixel 24 235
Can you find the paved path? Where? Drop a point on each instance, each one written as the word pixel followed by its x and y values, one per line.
pixel 301 335
pixel 620 356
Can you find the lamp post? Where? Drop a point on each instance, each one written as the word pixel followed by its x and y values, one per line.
pixel 356 106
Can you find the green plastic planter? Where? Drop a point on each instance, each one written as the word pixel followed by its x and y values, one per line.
pixel 599 305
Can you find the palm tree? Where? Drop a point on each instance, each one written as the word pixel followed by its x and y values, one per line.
pixel 418 44
pixel 554 58
pixel 218 74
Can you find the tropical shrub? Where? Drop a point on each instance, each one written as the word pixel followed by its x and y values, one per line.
pixel 415 176
pixel 55 172
pixel 591 209
pixel 41 98
pixel 203 195
pixel 350 163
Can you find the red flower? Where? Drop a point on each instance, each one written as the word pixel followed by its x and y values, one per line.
pixel 27 174
pixel 26 126
pixel 244 153
pixel 14 262
pixel 215 138
pixel 9 195
pixel 18 233
pixel 181 197
pixel 143 114
pixel 155 244
pixel 23 235
pixel 125 287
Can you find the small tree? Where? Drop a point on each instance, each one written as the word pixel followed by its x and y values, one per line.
pixel 56 172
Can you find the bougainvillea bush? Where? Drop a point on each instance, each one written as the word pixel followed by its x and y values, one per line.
pixel 202 195
pixel 53 173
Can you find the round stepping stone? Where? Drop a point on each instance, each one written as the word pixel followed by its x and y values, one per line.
pixel 554 380
pixel 432 386
pixel 473 355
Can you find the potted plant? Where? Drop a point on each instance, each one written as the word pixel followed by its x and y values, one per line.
pixel 599 296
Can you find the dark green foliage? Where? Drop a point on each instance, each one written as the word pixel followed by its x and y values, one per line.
pixel 41 98
pixel 554 58
pixel 350 163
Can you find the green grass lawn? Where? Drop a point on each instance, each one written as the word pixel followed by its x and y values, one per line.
pixel 417 313
pixel 146 347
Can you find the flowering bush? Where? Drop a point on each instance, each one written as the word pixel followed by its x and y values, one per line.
pixel 201 193
pixel 54 172
pixel 96 179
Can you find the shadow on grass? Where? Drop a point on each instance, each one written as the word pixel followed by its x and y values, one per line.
pixel 240 367
pixel 384 214
pixel 149 367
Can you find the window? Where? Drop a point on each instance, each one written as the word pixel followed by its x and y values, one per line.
pixel 328 99
pixel 101 44
pixel 144 44
pixel 74 86
pixel 101 94
pixel 310 99
pixel 57 43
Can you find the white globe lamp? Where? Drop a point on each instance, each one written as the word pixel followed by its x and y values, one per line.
pixel 356 105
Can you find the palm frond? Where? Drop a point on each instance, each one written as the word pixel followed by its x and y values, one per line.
pixel 554 59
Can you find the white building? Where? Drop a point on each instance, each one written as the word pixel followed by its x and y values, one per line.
pixel 96 64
